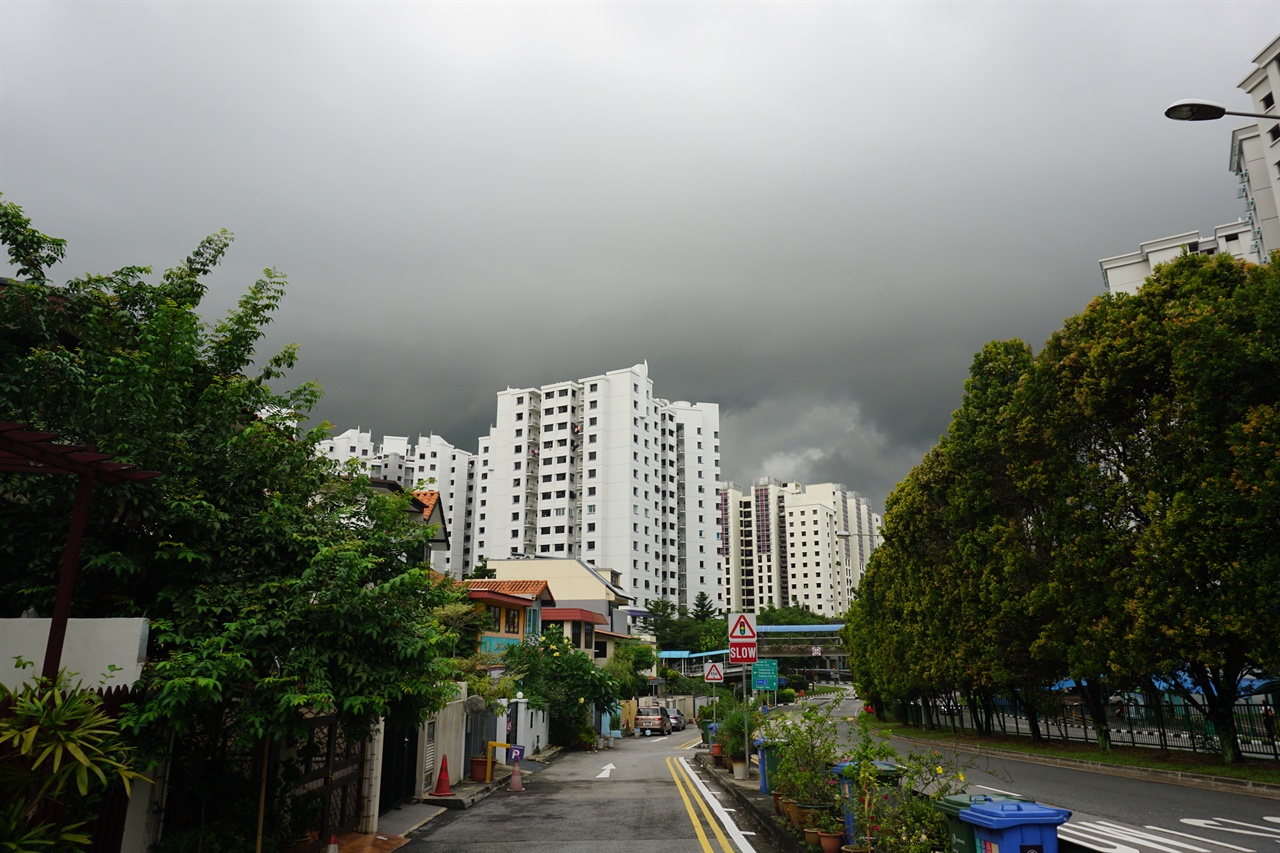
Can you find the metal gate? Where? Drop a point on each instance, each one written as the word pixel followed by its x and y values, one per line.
pixel 329 784
pixel 399 764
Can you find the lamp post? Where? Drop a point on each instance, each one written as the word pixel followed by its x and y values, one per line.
pixel 1193 110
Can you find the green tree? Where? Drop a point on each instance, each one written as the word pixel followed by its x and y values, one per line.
pixel 482 570
pixel 1154 417
pixel 789 615
pixel 564 682
pixel 627 667
pixel 275 586
pixel 703 608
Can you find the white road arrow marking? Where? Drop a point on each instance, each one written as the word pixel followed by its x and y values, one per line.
pixel 1216 823
pixel 608 768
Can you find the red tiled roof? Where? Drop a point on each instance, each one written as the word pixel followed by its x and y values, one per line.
pixel 428 499
pixel 534 588
pixel 572 614
pixel 500 597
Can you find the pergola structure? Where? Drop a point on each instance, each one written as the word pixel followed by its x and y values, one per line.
pixel 25 451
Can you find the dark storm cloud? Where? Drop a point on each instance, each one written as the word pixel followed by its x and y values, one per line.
pixel 812 214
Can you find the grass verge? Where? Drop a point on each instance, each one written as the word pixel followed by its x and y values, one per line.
pixel 1253 770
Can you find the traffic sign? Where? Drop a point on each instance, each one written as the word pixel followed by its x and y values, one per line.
pixel 742 627
pixel 817 651
pixel 742 653
pixel 764 675
pixel 712 672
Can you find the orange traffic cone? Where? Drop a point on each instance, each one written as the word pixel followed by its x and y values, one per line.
pixel 442 780
pixel 516 784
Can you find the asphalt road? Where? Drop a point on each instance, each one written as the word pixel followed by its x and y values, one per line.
pixel 642 797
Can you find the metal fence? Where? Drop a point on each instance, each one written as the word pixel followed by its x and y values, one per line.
pixel 1170 726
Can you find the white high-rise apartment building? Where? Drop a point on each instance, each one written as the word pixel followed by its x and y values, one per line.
pixel 1255 161
pixel 599 469
pixel 789 544
pixel 432 463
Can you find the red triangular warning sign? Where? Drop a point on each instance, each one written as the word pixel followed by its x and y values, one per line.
pixel 714 673
pixel 742 629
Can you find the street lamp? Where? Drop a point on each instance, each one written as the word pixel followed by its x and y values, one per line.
pixel 1192 110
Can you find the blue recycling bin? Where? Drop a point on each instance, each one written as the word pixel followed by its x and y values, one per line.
pixel 1014 827
pixel 887 775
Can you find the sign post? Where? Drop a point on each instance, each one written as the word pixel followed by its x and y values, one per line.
pixel 713 673
pixel 742 650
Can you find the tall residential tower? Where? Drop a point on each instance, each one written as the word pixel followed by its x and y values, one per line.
pixel 788 544
pixel 599 469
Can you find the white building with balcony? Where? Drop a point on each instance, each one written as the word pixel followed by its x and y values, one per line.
pixel 1255 161
pixel 431 462
pixel 602 470
pixel 794 545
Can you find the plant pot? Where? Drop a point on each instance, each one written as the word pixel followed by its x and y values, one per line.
pixel 811 836
pixel 479 768
pixel 741 769
pixel 808 814
pixel 716 751
pixel 777 802
pixel 831 842
pixel 789 809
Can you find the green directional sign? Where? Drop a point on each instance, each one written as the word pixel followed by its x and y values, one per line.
pixel 764 674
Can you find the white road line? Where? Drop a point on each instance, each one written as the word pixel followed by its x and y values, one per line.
pixel 739 838
pixel 1210 824
pixel 1093 842
pixel 1266 830
pixel 1133 835
pixel 1201 838
pixel 998 791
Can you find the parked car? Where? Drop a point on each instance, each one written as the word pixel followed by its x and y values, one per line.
pixel 677 720
pixel 653 719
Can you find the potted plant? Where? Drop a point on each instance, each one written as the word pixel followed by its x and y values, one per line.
pixel 830 833
pixel 731 734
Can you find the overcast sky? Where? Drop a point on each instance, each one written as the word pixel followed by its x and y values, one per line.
pixel 813 214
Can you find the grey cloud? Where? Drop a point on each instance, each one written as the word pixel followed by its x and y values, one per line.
pixel 811 213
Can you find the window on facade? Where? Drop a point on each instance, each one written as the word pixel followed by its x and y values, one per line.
pixel 513 620
pixel 495 615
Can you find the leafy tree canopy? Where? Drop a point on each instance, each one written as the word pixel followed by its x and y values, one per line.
pixel 273 583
